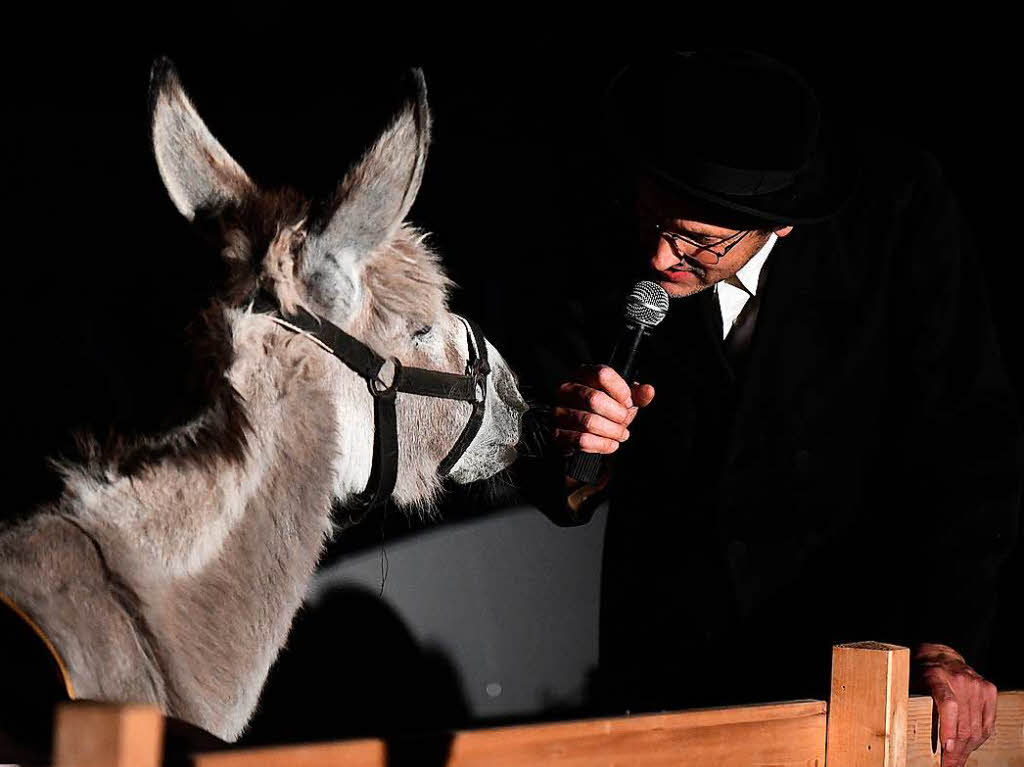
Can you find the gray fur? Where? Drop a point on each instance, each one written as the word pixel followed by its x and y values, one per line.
pixel 177 585
pixel 197 171
pixel 370 204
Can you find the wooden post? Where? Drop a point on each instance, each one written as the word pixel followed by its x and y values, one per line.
pixel 102 735
pixel 867 712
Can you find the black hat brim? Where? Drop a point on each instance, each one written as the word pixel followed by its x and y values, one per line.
pixel 816 192
pixel 819 194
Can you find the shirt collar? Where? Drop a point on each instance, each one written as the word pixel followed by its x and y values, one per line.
pixel 750 273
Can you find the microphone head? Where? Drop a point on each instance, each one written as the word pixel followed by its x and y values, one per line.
pixel 647 304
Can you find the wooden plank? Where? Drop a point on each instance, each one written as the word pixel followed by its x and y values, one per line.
pixel 355 753
pixel 1004 749
pixel 867 715
pixel 104 735
pixel 682 739
pixel 779 734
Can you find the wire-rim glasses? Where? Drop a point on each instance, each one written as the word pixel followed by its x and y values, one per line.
pixel 704 252
pixel 707 253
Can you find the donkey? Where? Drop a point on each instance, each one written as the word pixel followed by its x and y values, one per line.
pixel 169 569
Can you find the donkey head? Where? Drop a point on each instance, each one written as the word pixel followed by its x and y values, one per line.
pixel 349 259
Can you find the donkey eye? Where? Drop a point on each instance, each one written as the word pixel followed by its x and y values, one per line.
pixel 423 331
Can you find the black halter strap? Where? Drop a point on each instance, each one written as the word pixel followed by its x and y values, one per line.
pixel 469 387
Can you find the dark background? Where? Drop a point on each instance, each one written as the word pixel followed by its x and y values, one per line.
pixel 509 191
pixel 513 161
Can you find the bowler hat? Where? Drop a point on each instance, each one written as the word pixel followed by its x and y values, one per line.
pixel 734 129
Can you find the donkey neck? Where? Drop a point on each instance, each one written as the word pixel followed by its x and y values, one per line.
pixel 244 536
pixel 177 515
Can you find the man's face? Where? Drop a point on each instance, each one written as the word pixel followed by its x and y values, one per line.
pixel 684 268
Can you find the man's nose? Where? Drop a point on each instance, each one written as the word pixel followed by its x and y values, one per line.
pixel 664 256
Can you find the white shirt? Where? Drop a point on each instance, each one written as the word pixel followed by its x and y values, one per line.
pixel 732 298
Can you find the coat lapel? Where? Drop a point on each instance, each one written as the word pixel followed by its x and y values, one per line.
pixel 801 324
pixel 687 348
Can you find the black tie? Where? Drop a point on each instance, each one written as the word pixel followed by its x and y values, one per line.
pixel 737 343
pixel 715 312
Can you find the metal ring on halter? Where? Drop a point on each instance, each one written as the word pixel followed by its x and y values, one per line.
pixel 479 371
pixel 477 366
pixel 381 388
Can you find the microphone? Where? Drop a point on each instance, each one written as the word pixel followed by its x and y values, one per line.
pixel 645 308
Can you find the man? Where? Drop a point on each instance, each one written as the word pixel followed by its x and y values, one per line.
pixel 828 448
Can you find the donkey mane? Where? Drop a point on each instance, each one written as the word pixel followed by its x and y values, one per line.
pixel 407 282
pixel 404 280
pixel 216 425
pixel 215 431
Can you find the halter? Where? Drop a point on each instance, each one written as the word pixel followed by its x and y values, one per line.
pixel 469 387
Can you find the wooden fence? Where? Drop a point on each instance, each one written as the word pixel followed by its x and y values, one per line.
pixel 869 722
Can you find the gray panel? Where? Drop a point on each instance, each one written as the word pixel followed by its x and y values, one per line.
pixel 510 598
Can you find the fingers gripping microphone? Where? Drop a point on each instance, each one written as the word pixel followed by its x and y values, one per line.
pixel 645 308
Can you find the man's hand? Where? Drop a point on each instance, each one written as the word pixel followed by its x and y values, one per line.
pixel 965 700
pixel 594 409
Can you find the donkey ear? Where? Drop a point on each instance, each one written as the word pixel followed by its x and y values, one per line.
pixel 196 169
pixel 375 196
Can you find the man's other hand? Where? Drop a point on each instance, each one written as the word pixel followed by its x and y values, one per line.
pixel 593 410
pixel 966 701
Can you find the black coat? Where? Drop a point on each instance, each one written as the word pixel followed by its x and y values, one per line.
pixel 857 477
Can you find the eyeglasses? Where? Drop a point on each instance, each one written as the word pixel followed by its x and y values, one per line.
pixel 707 253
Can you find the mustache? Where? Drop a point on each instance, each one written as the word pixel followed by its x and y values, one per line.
pixel 693 266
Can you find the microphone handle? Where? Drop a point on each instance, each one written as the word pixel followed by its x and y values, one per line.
pixel 586 467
